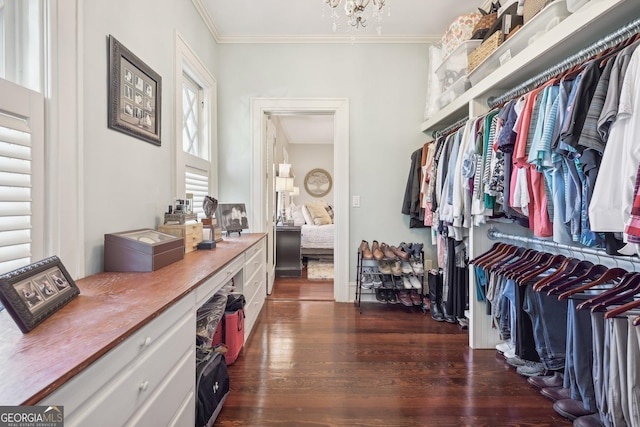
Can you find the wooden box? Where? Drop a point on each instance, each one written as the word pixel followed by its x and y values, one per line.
pixel 141 250
pixel 192 234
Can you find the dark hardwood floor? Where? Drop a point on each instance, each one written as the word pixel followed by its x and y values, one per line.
pixel 301 289
pixel 321 363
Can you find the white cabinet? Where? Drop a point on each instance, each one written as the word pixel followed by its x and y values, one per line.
pixel 254 284
pixel 148 379
pixel 132 376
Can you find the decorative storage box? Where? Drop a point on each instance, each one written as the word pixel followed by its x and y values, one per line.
pixel 460 30
pixel 192 234
pixel 141 250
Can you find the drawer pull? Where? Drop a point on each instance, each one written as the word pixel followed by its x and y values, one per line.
pixel 145 342
pixel 143 386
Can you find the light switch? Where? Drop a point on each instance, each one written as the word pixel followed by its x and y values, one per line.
pixel 356 202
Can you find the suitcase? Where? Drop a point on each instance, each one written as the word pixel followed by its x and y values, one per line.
pixel 233 334
pixel 212 386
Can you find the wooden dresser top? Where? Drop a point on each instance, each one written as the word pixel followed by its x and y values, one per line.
pixel 110 308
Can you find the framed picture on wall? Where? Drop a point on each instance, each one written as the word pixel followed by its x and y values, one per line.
pixel 34 292
pixel 134 94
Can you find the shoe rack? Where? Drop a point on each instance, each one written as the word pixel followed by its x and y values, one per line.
pixel 392 286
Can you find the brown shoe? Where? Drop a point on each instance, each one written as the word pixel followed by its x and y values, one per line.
pixel 364 249
pixel 556 393
pixel 571 409
pixel 546 381
pixel 386 250
pixel 375 249
pixel 415 298
pixel 399 252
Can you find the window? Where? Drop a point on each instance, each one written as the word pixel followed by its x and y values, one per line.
pixel 196 137
pixel 21 177
pixel 22 42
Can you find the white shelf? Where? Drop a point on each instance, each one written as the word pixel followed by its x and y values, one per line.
pixel 579 30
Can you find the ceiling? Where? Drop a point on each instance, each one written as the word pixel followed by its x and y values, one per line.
pixel 259 21
pixel 306 128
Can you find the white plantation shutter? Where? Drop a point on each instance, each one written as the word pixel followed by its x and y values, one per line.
pixel 21 177
pixel 197 183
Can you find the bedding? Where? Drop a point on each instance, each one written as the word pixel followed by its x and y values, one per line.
pixel 317 236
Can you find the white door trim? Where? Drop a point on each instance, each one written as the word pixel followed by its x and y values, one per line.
pixel 339 107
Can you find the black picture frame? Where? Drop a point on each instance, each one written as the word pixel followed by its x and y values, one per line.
pixel 135 95
pixel 232 217
pixel 32 293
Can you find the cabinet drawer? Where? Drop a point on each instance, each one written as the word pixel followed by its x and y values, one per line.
pixel 255 249
pixel 166 401
pixel 133 383
pixel 76 391
pixel 252 266
pixel 255 284
pixel 186 414
pixel 213 284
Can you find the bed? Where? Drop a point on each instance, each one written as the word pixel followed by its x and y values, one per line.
pixel 317 241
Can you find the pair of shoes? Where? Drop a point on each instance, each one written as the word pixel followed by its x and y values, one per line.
pixel 386 295
pixel 364 249
pixel 516 362
pixel 406 268
pixel 404 298
pixel 400 253
pixel 556 393
pixel 555 380
pixel 530 369
pixel 504 347
pixel 375 250
pixel 413 249
pixel 417 266
pixel 366 282
pixel 387 282
pixel 411 282
pixel 588 421
pixel 384 266
pixel 571 409
pixel 416 299
pixel 388 253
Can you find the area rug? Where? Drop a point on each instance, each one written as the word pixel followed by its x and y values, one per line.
pixel 319 270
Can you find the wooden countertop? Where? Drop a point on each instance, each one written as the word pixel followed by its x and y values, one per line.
pixel 110 308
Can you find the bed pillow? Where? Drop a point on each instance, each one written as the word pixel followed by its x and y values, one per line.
pixel 297 215
pixel 329 209
pixel 319 214
pixel 306 215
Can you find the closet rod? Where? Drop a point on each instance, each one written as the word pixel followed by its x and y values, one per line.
pixel 495 234
pixel 449 129
pixel 601 45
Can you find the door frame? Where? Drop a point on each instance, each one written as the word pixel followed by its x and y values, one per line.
pixel 339 107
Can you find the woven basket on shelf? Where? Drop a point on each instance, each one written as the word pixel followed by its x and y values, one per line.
pixel 484 50
pixel 483 25
pixel 532 7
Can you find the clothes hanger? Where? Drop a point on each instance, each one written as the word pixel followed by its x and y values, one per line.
pixel 539 258
pixel 611 313
pixel 526 258
pixel 489 253
pixel 576 269
pixel 607 276
pixel 509 258
pixel 593 272
pixel 628 287
pixel 505 252
pixel 554 262
pixel 566 265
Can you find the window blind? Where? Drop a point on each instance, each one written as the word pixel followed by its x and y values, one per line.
pixel 197 183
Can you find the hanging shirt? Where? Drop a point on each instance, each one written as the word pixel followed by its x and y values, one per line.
pixel 613 194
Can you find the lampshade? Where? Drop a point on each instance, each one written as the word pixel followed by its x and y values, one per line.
pixel 296 191
pixel 284 170
pixel 284 184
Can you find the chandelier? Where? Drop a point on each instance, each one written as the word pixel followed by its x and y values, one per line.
pixel 357 15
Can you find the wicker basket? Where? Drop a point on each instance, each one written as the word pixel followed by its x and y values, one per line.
pixel 486 48
pixel 483 25
pixel 532 7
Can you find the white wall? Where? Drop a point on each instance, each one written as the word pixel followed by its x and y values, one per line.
pixel 128 182
pixel 305 157
pixel 386 85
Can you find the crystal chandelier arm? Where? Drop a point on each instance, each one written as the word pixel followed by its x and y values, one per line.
pixel 333 3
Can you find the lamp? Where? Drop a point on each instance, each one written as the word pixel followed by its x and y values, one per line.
pixel 284 185
pixel 355 12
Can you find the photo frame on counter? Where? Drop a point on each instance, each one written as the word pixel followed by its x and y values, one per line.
pixel 32 293
pixel 135 95
pixel 232 217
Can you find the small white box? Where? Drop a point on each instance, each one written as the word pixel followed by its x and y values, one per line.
pixel 456 89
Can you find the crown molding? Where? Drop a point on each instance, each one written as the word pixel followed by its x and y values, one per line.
pixel 324 39
pixel 208 20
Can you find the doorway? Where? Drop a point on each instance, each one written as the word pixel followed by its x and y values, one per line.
pixel 262 177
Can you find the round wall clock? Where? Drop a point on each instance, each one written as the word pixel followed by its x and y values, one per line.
pixel 318 182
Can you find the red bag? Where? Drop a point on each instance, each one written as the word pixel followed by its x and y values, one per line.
pixel 233 334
